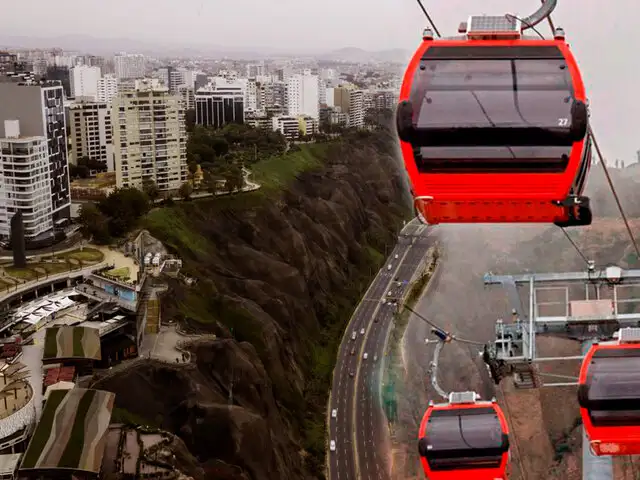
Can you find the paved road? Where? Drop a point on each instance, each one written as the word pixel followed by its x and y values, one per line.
pixel 360 406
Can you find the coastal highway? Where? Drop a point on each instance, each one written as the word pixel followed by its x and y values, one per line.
pixel 356 382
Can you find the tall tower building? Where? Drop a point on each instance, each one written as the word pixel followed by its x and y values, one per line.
pixel 91 132
pixel 24 183
pixel 40 112
pixel 107 87
pixel 84 81
pixel 303 95
pixel 149 138
pixel 129 65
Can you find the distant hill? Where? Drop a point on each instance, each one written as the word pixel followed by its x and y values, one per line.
pixel 109 46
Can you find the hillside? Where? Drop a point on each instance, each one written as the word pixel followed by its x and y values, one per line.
pixel 278 273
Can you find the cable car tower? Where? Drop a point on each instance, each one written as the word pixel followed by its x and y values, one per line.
pixel 592 307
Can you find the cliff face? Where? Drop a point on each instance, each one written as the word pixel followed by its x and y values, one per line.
pixel 278 275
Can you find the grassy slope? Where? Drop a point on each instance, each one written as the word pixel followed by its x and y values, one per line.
pixel 172 226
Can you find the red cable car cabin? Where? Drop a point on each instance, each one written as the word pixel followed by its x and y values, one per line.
pixel 495 130
pixel 464 439
pixel 609 395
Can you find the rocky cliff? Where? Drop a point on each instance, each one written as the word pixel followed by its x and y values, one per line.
pixel 278 272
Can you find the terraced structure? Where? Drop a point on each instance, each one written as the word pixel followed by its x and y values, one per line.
pixel 71 433
pixel 69 342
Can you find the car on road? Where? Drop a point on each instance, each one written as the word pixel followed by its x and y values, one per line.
pixel 397 279
pixel 396 257
pixel 332 446
pixel 351 373
pixel 375 358
pixel 362 331
pixel 334 412
pixel 353 351
pixel 375 320
pixel 354 335
pixel 365 356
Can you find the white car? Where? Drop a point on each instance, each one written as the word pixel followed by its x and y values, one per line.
pixel 332 446
pixel 375 358
pixel 396 257
pixel 334 413
pixel 353 335
pixel 362 331
pixel 389 267
pixel 365 356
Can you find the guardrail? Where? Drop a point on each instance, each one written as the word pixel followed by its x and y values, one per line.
pixel 30 284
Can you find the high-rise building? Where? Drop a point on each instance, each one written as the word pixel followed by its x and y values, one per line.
pixel 40 112
pixel 220 104
pixel 25 184
pixel 130 65
pixel 188 96
pixel 107 88
pixel 251 95
pixel 303 95
pixel 173 78
pixel 62 75
pixel 149 138
pixel 356 109
pixel 84 81
pixel 91 132
pixel 255 70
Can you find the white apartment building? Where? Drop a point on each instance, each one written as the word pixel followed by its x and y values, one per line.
pixel 149 137
pixel 303 95
pixel 107 87
pixel 40 111
pixel 91 133
pixel 24 182
pixel 84 81
pixel 322 91
pixel 288 125
pixel 173 78
pixel 188 96
pixel 356 109
pixel 129 65
pixel 251 95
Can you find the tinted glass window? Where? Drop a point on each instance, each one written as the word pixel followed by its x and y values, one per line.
pixel 464 432
pixel 458 439
pixel 614 379
pixel 614 391
pixel 502 93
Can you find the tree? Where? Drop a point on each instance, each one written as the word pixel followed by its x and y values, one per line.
pixel 94 223
pixel 79 171
pixel 124 207
pixel 186 189
pixel 233 179
pixel 150 188
pixel 210 182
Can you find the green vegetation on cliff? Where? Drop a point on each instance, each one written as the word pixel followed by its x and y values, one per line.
pixel 282 268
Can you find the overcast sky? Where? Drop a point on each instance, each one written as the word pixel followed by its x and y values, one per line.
pixel 604 38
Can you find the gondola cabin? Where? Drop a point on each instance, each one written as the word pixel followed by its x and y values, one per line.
pixel 464 439
pixel 609 395
pixel 493 127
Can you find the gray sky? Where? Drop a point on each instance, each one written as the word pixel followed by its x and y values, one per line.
pixel 605 40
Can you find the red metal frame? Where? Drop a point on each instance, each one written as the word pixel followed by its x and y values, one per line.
pixel 477 474
pixel 493 197
pixel 608 440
